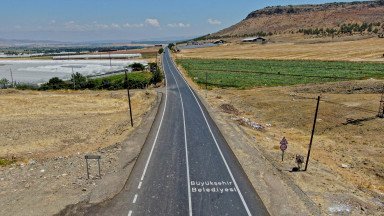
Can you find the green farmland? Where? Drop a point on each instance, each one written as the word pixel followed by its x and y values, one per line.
pixel 227 73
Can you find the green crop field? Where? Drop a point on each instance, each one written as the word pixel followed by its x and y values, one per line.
pixel 135 80
pixel 251 73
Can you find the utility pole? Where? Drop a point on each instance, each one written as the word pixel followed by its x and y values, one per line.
pixel 10 69
pixel 110 60
pixel 73 80
pixel 381 108
pixel 313 132
pixel 129 96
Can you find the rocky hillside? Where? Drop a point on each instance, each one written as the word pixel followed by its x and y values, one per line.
pixel 325 19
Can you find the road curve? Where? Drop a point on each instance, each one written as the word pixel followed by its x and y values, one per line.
pixel 186 166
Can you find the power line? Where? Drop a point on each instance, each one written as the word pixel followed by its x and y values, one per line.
pixel 336 103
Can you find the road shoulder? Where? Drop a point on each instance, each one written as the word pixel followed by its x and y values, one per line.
pixel 113 183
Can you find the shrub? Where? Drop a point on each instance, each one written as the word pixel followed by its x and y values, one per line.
pixel 26 86
pixel 54 83
pixel 4 82
pixel 137 66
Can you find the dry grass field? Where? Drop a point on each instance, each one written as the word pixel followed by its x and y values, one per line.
pixel 347 164
pixel 358 50
pixel 39 124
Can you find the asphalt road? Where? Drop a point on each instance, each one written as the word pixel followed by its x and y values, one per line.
pixel 186 166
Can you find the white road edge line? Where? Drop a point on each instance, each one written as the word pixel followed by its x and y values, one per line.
pixel 134 199
pixel 186 144
pixel 217 145
pixel 138 187
pixel 129 213
pixel 158 130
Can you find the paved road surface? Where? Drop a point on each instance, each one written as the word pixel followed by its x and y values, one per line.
pixel 186 166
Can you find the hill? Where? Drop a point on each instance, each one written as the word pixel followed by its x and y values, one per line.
pixel 324 19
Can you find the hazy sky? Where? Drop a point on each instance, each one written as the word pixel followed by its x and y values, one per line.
pixel 91 20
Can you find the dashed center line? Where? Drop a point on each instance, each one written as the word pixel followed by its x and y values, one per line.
pixel 134 199
pixel 154 142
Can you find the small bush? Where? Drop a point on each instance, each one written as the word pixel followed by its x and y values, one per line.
pixel 26 86
pixel 6 162
pixel 54 83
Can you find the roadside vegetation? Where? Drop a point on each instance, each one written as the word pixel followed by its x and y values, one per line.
pixel 348 28
pixel 137 79
pixel 244 74
pixel 6 162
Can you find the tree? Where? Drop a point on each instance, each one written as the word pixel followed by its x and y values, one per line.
pixel 4 82
pixel 171 45
pixel 161 50
pixel 78 80
pixel 137 66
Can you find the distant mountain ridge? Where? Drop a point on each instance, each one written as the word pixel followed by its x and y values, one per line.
pixel 292 19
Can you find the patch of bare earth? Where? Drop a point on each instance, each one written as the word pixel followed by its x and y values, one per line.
pixel 345 171
pixel 50 132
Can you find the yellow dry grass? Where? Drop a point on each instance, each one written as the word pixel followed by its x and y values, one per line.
pixel 360 50
pixel 46 124
pixel 285 113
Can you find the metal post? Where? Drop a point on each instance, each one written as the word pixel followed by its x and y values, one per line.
pixel 313 132
pixel 129 97
pixel 282 156
pixel 86 161
pixel 206 83
pixel 98 162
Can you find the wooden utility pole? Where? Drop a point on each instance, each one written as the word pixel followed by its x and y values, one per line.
pixel 313 132
pixel 129 97
pixel 110 59
pixel 73 80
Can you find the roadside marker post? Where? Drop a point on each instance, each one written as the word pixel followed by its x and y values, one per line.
pixel 89 157
pixel 313 132
pixel 129 97
pixel 283 147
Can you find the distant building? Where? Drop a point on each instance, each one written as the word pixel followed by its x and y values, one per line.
pixel 192 43
pixel 254 40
